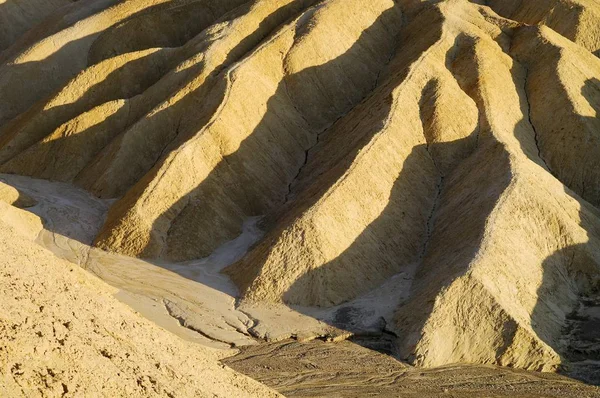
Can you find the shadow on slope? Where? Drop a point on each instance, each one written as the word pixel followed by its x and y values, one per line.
pixel 18 16
pixel 575 271
pixel 255 179
pixel 82 148
pixel 396 240
pixel 453 230
pixel 67 58
pixel 167 25
pixel 41 120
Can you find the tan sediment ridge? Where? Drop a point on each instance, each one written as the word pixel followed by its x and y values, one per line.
pixel 426 170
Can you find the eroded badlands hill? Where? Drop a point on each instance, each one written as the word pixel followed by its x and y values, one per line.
pixel 454 142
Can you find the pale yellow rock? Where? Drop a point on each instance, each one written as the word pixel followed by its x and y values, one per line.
pixel 444 152
pixel 261 104
pixel 12 196
pixel 24 223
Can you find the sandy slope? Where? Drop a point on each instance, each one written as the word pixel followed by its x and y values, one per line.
pixel 62 333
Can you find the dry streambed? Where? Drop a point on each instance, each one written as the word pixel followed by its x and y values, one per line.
pixel 346 369
pixel 193 299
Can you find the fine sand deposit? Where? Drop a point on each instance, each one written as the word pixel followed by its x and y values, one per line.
pixel 304 183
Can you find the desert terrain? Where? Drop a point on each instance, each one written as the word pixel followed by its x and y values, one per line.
pixel 300 197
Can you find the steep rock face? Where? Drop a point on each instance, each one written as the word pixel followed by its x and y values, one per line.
pixel 242 161
pixel 500 267
pixel 576 20
pixel 569 142
pixel 528 247
pixel 454 142
pixel 369 206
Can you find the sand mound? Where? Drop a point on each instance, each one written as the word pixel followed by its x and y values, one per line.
pixel 12 196
pixel 453 142
pixel 63 334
